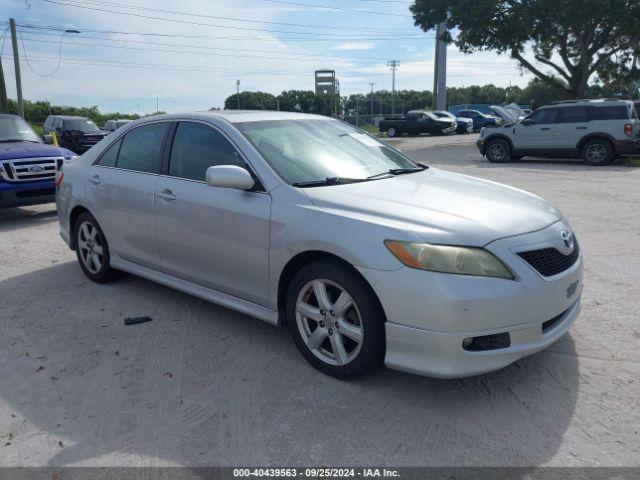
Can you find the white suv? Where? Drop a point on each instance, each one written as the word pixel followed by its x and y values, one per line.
pixel 595 130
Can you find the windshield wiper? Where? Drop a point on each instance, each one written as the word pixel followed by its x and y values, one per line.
pixel 329 181
pixel 398 171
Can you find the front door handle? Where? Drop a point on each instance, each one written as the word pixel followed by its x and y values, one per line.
pixel 95 180
pixel 581 128
pixel 545 128
pixel 166 195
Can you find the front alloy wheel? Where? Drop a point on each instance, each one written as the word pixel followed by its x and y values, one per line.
pixel 335 319
pixel 498 151
pixel 329 322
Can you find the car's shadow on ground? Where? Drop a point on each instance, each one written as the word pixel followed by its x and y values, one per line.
pixel 15 218
pixel 202 385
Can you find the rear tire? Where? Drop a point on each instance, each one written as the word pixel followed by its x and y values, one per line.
pixel 498 151
pixel 335 320
pixel 597 152
pixel 92 249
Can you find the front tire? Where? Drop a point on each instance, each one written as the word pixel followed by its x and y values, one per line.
pixel 597 152
pixel 498 151
pixel 92 249
pixel 392 132
pixel 335 320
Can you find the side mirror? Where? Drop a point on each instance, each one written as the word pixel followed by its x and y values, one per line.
pixel 229 176
pixel 527 121
pixel 48 139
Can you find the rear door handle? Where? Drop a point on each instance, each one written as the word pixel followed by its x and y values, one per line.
pixel 166 195
pixel 581 128
pixel 545 128
pixel 95 180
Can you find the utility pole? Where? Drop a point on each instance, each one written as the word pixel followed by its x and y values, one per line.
pixel 237 94
pixel 4 103
pixel 16 62
pixel 157 105
pixel 440 70
pixel 394 64
pixel 372 84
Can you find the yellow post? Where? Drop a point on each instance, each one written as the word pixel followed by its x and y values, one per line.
pixel 55 138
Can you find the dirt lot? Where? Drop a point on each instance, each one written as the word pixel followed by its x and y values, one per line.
pixel 202 385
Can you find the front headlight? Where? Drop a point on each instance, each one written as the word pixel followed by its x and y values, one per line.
pixel 449 259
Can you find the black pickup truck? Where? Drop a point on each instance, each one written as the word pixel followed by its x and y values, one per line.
pixel 416 122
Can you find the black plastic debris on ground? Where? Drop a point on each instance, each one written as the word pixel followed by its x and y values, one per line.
pixel 136 320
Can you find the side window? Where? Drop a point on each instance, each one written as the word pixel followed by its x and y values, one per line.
pixel 109 157
pixel 197 147
pixel 609 113
pixel 544 116
pixel 572 115
pixel 142 148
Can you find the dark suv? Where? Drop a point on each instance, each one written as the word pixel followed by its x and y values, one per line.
pixel 77 134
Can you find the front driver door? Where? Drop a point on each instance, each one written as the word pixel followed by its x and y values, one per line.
pixel 215 237
pixel 540 135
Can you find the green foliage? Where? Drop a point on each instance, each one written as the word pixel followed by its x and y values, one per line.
pixel 251 101
pixel 570 40
pixel 37 111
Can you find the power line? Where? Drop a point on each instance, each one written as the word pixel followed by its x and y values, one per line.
pixel 339 9
pixel 204 37
pixel 233 19
pixel 68 3
pixel 237 52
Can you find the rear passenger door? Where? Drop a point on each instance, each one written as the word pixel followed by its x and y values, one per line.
pixel 572 123
pixel 215 237
pixel 121 190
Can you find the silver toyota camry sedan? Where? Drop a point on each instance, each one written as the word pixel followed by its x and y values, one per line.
pixel 363 254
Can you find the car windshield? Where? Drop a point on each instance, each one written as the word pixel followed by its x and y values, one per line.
pixel 82 124
pixel 120 123
pixel 17 130
pixel 303 151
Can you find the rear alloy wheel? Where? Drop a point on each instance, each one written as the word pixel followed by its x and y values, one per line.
pixel 498 151
pixel 92 249
pixel 392 132
pixel 597 152
pixel 335 320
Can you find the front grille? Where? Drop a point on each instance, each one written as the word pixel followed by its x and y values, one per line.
pixel 550 261
pixel 30 169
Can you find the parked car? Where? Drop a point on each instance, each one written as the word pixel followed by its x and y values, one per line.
pixel 28 166
pixel 463 125
pixel 506 115
pixel 479 119
pixel 113 125
pixel 301 220
pixel 416 122
pixel 77 134
pixel 595 130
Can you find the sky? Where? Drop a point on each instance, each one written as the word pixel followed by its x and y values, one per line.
pixel 131 55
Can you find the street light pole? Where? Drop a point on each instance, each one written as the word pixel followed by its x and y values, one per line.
pixel 237 94
pixel 372 84
pixel 394 64
pixel 16 66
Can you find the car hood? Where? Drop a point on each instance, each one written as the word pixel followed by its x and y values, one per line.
pixel 15 150
pixel 440 207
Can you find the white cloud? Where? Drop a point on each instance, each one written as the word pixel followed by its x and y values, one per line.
pixel 354 46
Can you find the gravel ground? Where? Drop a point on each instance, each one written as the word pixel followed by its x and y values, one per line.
pixel 202 385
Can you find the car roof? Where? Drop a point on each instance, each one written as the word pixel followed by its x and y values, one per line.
pixel 239 116
pixel 69 117
pixel 597 102
pixel 9 115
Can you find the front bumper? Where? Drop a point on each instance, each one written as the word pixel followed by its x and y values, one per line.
pixel 26 193
pixel 480 144
pixel 442 355
pixel 430 314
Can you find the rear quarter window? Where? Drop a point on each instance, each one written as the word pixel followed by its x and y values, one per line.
pixel 610 113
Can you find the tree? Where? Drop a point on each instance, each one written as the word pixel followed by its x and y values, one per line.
pixel 562 42
pixel 251 101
